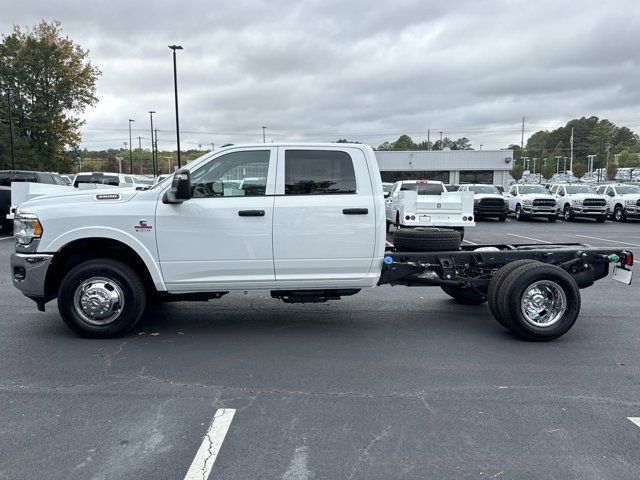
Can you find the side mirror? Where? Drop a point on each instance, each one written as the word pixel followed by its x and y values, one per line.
pixel 562 194
pixel 180 188
pixel 386 194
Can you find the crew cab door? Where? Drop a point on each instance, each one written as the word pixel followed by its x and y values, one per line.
pixel 222 236
pixel 513 198
pixel 324 228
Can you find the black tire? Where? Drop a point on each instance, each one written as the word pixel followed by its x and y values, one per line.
pixel 465 296
pixel 502 218
pixel 514 288
pixel 519 214
pixel 388 225
pixel 567 214
pixel 618 214
pixel 117 274
pixel 460 230
pixel 553 218
pixel 495 286
pixel 426 240
pixel 601 219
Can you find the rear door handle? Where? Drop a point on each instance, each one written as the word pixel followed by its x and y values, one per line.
pixel 251 213
pixel 355 211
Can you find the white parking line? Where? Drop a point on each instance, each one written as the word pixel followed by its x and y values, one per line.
pixel 7 238
pixel 635 420
pixel 528 238
pixel 470 242
pixel 607 240
pixel 211 443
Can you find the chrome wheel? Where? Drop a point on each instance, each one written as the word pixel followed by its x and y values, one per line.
pixel 518 212
pixel 98 300
pixel 543 303
pixel 618 213
pixel 567 213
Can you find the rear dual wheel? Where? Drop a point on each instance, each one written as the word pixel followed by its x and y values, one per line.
pixel 536 301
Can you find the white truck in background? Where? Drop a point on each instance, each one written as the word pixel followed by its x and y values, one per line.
pixel 426 203
pixel 311 229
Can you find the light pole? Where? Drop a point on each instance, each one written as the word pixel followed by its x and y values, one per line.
pixel 13 151
pixel 130 149
pixel 264 138
pixel 175 90
pixel 153 156
pixel 558 157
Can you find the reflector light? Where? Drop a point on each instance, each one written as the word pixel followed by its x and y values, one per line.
pixel 628 259
pixel 471 219
pixel 413 217
pixel 464 219
pixel 407 217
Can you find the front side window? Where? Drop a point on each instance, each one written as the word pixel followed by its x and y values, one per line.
pixel 528 189
pixel 318 172
pixel 236 174
pixel 484 189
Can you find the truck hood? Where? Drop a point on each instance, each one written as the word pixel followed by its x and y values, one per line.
pixel 583 196
pixel 480 196
pixel 533 196
pixel 80 197
pixel 631 196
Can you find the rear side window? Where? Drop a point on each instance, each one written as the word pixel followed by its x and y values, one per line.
pixel 318 172
pixel 7 178
pixel 424 188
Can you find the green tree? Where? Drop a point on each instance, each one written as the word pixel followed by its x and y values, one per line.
pixel 612 171
pixel 579 169
pixel 52 82
pixel 517 171
pixel 548 170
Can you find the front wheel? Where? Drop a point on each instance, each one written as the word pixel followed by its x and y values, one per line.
pixel 618 214
pixel 101 298
pixel 567 214
pixel 519 214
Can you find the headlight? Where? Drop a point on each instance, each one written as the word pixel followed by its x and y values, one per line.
pixel 476 201
pixel 526 202
pixel 630 202
pixel 26 227
pixel 576 202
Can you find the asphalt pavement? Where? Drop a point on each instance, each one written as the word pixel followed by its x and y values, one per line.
pixel 391 383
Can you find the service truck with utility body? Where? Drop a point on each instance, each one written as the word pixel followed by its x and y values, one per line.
pixel 309 227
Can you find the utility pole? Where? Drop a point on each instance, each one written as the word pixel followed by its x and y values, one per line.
pixel 481 146
pixel 441 146
pixel 264 138
pixel 558 157
pixel 175 89
pixel 130 149
pixel 13 151
pixel 522 139
pixel 157 161
pixel 139 143
pixel 571 162
pixel 213 147
pixel 428 139
pixel 525 161
pixel 153 155
pixel 564 168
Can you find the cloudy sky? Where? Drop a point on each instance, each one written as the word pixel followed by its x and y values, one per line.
pixel 364 70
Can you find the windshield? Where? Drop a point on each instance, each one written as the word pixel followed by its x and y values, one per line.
pixel 484 189
pixel 424 188
pixel 525 189
pixel 571 189
pixel 627 189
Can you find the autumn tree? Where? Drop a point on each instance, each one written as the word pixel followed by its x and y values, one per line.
pixel 517 171
pixel 548 170
pixel 52 81
pixel 579 169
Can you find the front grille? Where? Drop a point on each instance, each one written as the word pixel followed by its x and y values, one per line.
pixel 594 202
pixel 539 202
pixel 492 202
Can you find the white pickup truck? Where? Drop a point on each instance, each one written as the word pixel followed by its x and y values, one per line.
pixel 426 203
pixel 579 201
pixel 312 230
pixel 623 201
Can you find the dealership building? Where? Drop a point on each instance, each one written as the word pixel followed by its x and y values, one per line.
pixel 448 166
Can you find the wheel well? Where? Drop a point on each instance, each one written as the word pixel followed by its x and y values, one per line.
pixel 619 205
pixel 78 251
pixel 567 205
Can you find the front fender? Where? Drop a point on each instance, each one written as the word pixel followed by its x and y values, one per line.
pixel 131 241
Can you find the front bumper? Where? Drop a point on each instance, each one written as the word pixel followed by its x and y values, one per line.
pixel 490 211
pixel 581 210
pixel 28 272
pixel 541 211
pixel 632 211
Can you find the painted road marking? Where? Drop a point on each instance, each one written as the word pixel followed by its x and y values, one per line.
pixel 469 242
pixel 6 238
pixel 635 420
pixel 607 240
pixel 528 238
pixel 389 244
pixel 211 443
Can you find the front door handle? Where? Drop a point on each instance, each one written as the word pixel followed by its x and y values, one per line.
pixel 251 213
pixel 355 211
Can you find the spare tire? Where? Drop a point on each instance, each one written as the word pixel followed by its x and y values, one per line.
pixel 425 240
